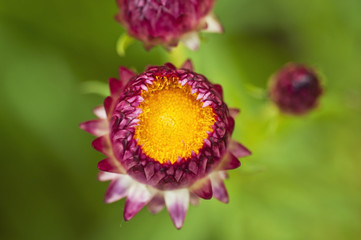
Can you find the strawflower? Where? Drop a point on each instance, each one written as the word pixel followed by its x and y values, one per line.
pixel 166 22
pixel 167 136
pixel 295 89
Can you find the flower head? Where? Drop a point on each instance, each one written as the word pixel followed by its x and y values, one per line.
pixel 167 137
pixel 165 22
pixel 295 89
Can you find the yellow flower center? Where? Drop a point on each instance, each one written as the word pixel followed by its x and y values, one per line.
pixel 173 123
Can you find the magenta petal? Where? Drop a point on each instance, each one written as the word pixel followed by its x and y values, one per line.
pixel 219 189
pixel 125 75
pixel 110 165
pixel 219 89
pixel 238 150
pixel 101 144
pixel 229 162
pixel 156 204
pixel 203 188
pixel 138 197
pixel 177 202
pixel 234 112
pixel 115 86
pixel 188 65
pixel 118 189
pixel 230 124
pixel 98 127
pixel 108 102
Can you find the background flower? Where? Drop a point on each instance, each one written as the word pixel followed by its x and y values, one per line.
pixel 295 89
pixel 167 22
pixel 302 181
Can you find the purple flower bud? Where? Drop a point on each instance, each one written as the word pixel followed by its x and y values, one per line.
pixel 166 22
pixel 295 89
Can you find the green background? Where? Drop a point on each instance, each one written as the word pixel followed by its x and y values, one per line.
pixel 302 182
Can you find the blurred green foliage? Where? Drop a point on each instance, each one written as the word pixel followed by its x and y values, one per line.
pixel 302 182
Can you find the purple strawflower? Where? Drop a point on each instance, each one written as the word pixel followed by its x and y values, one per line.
pixel 295 89
pixel 166 22
pixel 167 136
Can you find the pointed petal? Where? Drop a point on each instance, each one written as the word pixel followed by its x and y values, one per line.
pixel 115 86
pixel 138 197
pixel 191 40
pixel 230 124
pixel 188 65
pixel 101 144
pixel 238 150
pixel 108 102
pixel 107 176
pixel 218 187
pixel 234 112
pixel 203 188
pixel 213 24
pixel 110 165
pixel 100 112
pixel 98 127
pixel 229 162
pixel 118 188
pixel 125 75
pixel 156 204
pixel 177 202
pixel 219 89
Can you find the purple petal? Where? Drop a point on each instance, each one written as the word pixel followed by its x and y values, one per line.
pixel 229 162
pixel 138 197
pixel 177 202
pixel 115 86
pixel 203 188
pixel 100 112
pixel 188 65
pixel 219 89
pixel 218 187
pixel 125 75
pixel 110 165
pixel 230 126
pixel 234 112
pixel 98 127
pixel 108 102
pixel 238 150
pixel 156 204
pixel 118 188
pixel 101 144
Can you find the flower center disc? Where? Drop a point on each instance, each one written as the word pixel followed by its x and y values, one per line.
pixel 173 123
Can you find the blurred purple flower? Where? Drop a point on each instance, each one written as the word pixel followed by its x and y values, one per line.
pixel 295 89
pixel 166 22
pixel 167 136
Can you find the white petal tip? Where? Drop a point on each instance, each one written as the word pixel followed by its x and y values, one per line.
pixel 191 40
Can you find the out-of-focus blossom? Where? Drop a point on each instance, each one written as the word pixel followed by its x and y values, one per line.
pixel 295 89
pixel 167 136
pixel 166 22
